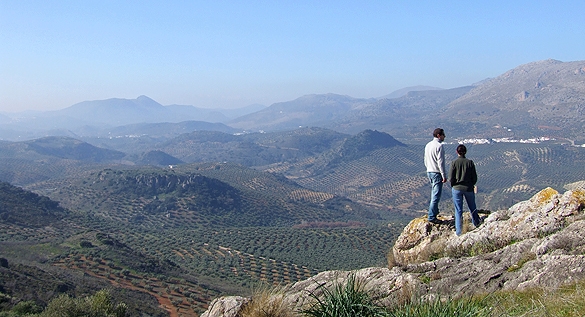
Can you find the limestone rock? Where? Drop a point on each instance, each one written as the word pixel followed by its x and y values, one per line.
pixel 227 306
pixel 545 213
pixel 420 241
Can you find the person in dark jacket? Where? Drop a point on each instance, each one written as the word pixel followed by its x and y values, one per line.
pixel 463 178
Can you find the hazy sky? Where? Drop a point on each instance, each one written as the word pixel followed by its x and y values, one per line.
pixel 225 54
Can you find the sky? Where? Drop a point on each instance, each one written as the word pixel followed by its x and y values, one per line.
pixel 230 54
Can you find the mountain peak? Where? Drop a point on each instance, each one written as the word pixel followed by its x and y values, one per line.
pixel 145 101
pixel 401 92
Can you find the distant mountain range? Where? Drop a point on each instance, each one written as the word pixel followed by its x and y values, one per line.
pixel 115 117
pixel 539 98
pixel 548 96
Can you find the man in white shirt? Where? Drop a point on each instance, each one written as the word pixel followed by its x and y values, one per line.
pixel 435 164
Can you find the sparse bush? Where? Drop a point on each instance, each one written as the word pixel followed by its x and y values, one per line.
pixel 480 247
pixel 390 259
pixel 85 244
pixel 25 308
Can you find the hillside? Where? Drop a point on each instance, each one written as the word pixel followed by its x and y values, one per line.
pixel 409 117
pixel 24 208
pixel 546 97
pixel 69 148
pixel 34 232
pixel 196 196
pixel 182 236
pixel 254 149
pixel 391 176
pixel 158 158
pixel 371 167
pixel 27 162
pixel 309 110
pixel 160 130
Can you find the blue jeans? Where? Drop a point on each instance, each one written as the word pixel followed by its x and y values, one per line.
pixel 436 189
pixel 458 202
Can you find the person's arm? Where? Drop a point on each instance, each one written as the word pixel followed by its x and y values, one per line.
pixel 441 163
pixel 473 173
pixel 452 179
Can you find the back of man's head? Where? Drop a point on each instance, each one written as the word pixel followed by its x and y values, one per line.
pixel 437 132
pixel 461 149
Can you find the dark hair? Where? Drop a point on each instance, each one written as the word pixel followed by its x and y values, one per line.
pixel 461 149
pixel 437 132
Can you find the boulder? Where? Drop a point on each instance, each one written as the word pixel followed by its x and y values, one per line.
pixel 227 306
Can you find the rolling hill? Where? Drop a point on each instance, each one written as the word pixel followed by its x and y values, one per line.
pixel 371 167
pixel 197 196
pixel 179 237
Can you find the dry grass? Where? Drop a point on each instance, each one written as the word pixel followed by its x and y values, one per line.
pixel 565 301
pixel 390 258
pixel 268 302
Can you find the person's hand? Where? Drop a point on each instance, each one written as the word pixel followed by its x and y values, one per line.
pixel 444 180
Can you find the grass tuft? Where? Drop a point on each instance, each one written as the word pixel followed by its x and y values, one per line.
pixel 463 307
pixel 344 300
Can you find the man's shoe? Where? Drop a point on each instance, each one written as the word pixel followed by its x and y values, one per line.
pixel 436 221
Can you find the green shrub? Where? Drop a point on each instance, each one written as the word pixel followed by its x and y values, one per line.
pixel 25 308
pixel 98 305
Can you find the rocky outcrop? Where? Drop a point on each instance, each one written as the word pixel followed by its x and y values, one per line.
pixel 535 243
pixel 225 306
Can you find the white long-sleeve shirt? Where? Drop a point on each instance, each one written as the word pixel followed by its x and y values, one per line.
pixel 435 157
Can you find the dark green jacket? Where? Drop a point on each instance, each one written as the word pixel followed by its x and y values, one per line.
pixel 462 174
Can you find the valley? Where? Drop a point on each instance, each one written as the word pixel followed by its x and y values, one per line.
pixel 187 233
